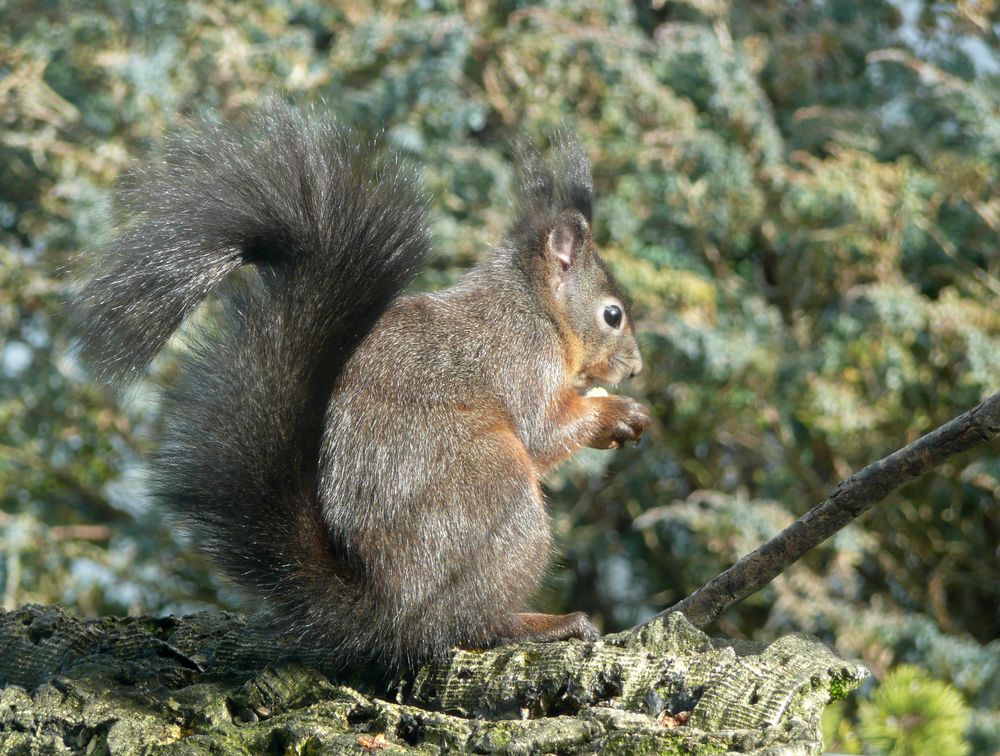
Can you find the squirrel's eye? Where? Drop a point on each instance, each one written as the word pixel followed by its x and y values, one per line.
pixel 613 315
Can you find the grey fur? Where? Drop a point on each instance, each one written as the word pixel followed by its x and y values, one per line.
pixel 366 462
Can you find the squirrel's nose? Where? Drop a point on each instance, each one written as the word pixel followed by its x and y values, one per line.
pixel 636 366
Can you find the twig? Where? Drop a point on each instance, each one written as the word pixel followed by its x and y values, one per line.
pixel 100 507
pixel 851 498
pixel 80 533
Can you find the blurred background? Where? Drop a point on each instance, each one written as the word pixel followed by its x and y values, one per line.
pixel 802 197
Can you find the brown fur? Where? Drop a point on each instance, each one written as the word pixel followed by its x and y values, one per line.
pixel 367 463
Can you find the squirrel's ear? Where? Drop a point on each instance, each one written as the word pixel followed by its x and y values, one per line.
pixel 566 238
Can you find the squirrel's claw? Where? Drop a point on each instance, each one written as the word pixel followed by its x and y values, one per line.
pixel 622 419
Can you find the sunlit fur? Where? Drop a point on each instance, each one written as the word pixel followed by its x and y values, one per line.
pixel 367 463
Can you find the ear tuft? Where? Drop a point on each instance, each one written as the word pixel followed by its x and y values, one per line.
pixel 566 238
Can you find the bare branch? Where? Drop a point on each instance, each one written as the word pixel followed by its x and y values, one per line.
pixel 851 498
pixel 98 506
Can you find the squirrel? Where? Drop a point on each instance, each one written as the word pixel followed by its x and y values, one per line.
pixel 365 460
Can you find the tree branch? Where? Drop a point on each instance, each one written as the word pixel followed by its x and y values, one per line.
pixel 220 683
pixel 851 498
pixel 99 507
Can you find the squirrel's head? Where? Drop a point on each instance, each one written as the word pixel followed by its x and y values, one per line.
pixel 588 304
pixel 551 234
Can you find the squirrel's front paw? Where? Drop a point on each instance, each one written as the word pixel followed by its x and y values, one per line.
pixel 621 419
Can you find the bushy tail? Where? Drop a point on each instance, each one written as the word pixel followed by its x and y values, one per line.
pixel 321 214
pixel 334 230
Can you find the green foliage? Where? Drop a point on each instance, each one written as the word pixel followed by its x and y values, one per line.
pixel 801 198
pixel 912 713
pixel 839 735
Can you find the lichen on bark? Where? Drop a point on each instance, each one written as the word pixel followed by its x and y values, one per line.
pixel 212 683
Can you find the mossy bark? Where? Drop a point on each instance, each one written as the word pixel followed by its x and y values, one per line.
pixel 211 683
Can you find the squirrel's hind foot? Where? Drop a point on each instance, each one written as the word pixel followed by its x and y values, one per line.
pixel 544 628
